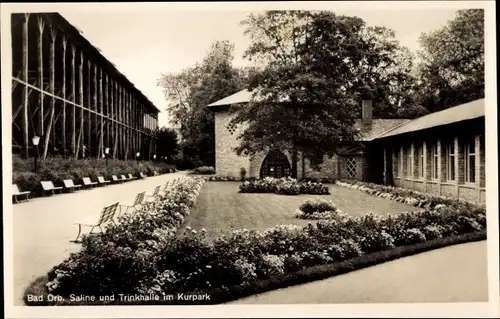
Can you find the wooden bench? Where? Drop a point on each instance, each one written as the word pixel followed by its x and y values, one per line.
pixel 16 193
pixel 48 186
pixel 116 179
pixel 142 175
pixel 130 176
pixel 68 183
pixel 107 215
pixel 124 178
pixel 139 198
pixel 88 182
pixel 102 181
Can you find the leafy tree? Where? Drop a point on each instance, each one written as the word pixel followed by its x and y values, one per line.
pixel 190 91
pixel 317 68
pixel 167 143
pixel 452 67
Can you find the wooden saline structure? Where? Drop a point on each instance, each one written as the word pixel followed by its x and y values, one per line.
pixel 67 93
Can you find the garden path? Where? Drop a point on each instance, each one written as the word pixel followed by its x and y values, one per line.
pixel 43 227
pixel 451 274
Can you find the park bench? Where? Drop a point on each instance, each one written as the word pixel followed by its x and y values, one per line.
pixel 48 186
pixel 155 173
pixel 68 183
pixel 131 177
pixel 155 193
pixel 16 193
pixel 102 181
pixel 124 178
pixel 143 175
pixel 139 198
pixel 116 179
pixel 107 215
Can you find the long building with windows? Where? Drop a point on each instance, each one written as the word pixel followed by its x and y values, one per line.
pixel 67 93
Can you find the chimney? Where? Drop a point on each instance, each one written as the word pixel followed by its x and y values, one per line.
pixel 366 112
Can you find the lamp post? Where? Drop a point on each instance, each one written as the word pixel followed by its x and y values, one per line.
pixel 36 140
pixel 137 157
pixel 106 153
pixel 154 157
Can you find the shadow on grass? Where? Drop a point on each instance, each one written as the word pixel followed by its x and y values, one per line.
pixel 218 296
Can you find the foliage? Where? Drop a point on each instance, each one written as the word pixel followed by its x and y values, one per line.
pixel 204 170
pixel 284 186
pixel 188 93
pixel 167 143
pixel 57 169
pixel 318 208
pixel 452 67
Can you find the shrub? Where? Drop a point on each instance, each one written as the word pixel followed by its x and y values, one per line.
pixel 221 178
pixel 204 170
pixel 317 205
pixel 243 173
pixel 285 186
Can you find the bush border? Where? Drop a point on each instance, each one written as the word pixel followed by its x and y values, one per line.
pixel 306 275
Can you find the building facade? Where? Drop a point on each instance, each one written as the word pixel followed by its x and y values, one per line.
pixel 442 153
pixel 68 94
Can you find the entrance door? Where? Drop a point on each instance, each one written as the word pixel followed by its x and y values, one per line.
pixel 275 165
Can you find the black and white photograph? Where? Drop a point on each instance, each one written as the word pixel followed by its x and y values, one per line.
pixel 250 159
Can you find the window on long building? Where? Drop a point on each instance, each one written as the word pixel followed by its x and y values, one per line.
pixel 434 161
pixel 409 161
pixel 450 161
pixel 470 161
pixel 421 161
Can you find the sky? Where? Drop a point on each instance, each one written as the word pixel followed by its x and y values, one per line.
pixel 144 44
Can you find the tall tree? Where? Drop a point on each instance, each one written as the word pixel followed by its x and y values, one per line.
pixel 167 143
pixel 190 91
pixel 318 66
pixel 452 67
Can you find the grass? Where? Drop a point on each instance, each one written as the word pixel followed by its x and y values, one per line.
pixel 320 272
pixel 220 208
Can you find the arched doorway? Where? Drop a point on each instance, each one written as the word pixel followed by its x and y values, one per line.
pixel 276 165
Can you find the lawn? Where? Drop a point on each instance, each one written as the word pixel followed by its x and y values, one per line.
pixel 220 208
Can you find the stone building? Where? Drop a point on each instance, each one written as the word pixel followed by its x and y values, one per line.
pixel 350 162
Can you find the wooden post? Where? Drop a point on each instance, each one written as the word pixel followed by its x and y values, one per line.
pixel 64 43
pixel 95 100
pixel 41 113
pixel 101 135
pixel 73 98
pixel 51 90
pixel 24 72
pixel 120 119
pixel 89 104
pixel 80 99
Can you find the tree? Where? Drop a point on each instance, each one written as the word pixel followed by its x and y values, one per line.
pixel 190 91
pixel 318 68
pixel 452 66
pixel 167 144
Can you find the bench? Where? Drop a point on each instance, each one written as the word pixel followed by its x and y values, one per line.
pixel 155 173
pixel 155 193
pixel 88 182
pixel 116 179
pixel 167 184
pixel 107 214
pixel 131 177
pixel 142 175
pixel 48 186
pixel 102 181
pixel 139 198
pixel 68 183
pixel 16 193
pixel 124 178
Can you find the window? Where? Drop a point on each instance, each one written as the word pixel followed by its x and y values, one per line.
pixel 409 162
pixel 421 167
pixel 470 161
pixel 351 167
pixel 396 164
pixel 450 161
pixel 401 161
pixel 434 161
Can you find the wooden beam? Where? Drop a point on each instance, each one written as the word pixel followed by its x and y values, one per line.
pixel 41 27
pixel 89 105
pixel 94 96
pixel 80 99
pixel 73 96
pixel 101 110
pixel 24 69
pixel 64 45
pixel 49 131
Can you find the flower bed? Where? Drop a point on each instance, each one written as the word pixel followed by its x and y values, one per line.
pixel 204 170
pixel 57 169
pixel 218 178
pixel 318 208
pixel 145 255
pixel 284 186
pixel 411 197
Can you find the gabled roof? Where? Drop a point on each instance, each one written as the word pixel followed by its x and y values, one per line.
pixel 243 96
pixel 378 127
pixel 463 112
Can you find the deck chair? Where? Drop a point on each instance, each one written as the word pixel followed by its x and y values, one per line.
pixel 155 193
pixel 139 198
pixel 142 175
pixel 102 181
pixel 131 177
pixel 48 186
pixel 87 182
pixel 68 183
pixel 16 193
pixel 116 179
pixel 107 215
pixel 124 178
pixel 167 184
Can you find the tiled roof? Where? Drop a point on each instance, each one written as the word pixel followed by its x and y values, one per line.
pixel 378 127
pixel 467 111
